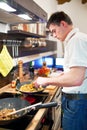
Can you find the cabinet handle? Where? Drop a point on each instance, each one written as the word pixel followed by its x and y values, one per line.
pixel 58 95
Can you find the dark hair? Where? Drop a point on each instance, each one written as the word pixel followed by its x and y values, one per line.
pixel 57 17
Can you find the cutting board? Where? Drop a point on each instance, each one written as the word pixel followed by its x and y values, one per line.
pixel 50 87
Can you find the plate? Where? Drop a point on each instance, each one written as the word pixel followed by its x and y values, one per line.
pixel 28 92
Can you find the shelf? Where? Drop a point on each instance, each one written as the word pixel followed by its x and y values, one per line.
pixel 26 59
pixel 23 34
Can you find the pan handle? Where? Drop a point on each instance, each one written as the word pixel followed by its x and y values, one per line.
pixel 46 105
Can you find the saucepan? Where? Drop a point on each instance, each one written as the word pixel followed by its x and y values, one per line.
pixel 21 107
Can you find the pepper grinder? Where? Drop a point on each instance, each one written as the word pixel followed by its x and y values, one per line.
pixel 20 68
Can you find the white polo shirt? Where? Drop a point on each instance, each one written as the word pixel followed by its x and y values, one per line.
pixel 75 46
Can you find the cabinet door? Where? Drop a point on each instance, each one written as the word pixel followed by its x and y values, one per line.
pixel 56 112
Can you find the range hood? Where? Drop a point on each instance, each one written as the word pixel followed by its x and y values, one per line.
pixel 28 7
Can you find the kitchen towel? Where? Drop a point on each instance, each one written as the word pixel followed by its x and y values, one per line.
pixel 6 62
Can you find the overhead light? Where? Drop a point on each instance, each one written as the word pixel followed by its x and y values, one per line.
pixel 24 16
pixel 6 7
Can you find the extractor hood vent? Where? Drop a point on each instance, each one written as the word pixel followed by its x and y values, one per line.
pixel 28 7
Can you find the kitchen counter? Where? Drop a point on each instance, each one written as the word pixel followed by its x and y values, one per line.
pixel 33 125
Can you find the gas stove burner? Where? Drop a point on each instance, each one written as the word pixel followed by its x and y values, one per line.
pixel 36 98
pixel 30 99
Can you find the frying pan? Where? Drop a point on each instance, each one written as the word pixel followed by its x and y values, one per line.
pixel 23 83
pixel 17 104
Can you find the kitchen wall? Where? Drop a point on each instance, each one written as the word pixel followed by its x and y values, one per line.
pixel 4 28
pixel 78 12
pixel 49 6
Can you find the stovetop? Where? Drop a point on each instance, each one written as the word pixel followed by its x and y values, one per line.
pixel 24 121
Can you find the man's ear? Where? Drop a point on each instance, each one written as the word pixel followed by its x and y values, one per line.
pixel 63 23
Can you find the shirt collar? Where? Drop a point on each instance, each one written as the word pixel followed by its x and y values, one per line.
pixel 71 33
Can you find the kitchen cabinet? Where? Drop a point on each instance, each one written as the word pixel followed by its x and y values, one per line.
pixel 56 112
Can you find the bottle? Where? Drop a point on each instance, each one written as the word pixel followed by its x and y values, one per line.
pixel 20 69
pixel 17 81
pixel 31 70
pixel 13 84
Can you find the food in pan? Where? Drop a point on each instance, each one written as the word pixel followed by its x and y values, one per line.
pixel 4 114
pixel 30 88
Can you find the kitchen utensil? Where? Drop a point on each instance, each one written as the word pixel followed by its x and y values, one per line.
pixel 19 104
pixel 25 108
pixel 32 92
pixel 50 87
pixel 34 106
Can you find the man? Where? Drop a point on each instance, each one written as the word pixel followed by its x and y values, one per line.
pixel 74 78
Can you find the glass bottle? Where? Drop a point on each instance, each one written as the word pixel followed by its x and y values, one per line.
pixel 31 70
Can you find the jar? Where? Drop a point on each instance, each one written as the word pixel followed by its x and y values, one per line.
pixel 13 84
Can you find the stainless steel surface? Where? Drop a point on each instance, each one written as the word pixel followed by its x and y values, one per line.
pixel 10 18
pixel 29 7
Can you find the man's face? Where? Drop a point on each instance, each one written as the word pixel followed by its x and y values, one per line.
pixel 57 31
